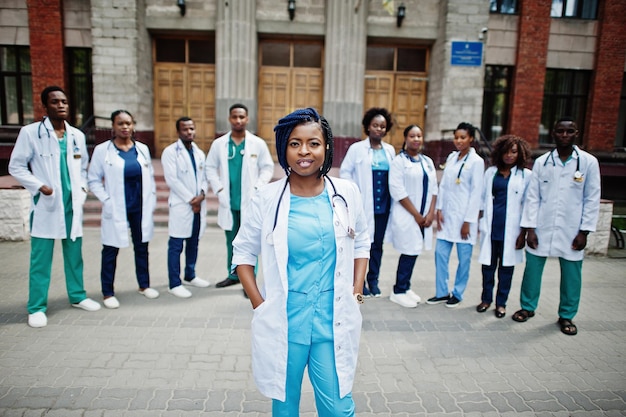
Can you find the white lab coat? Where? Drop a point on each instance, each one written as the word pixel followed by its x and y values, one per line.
pixel 515 196
pixel 460 202
pixel 406 180
pixel 557 206
pixel 184 185
pixel 37 147
pixel 269 322
pixel 357 166
pixel 106 181
pixel 256 171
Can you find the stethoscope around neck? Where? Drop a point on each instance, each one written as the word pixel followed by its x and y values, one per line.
pixel 335 197
pixel 75 148
pixel 577 175
pixel 108 161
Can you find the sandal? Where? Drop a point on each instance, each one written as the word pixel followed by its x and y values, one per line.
pixel 500 312
pixel 523 315
pixel 482 307
pixel 567 327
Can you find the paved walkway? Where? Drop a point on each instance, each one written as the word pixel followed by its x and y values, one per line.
pixel 173 357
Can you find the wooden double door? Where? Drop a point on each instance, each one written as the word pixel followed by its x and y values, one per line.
pixel 184 90
pixel 290 77
pixel 403 94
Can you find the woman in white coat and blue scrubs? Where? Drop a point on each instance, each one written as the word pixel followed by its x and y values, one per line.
pixel 413 188
pixel 122 177
pixel 458 206
pixel 312 234
pixel 502 239
pixel 367 164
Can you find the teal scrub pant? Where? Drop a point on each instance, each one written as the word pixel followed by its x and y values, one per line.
pixel 41 251
pixel 571 284
pixel 320 358
pixel 230 236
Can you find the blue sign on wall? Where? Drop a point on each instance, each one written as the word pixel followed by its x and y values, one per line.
pixel 467 54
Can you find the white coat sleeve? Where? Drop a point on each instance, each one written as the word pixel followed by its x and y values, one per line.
pixel 170 172
pixel 346 170
pixel 396 180
pixel 362 242
pixel 247 243
pixel 531 201
pixel 266 165
pixel 95 174
pixel 21 156
pixel 212 168
pixel 84 164
pixel 591 197
pixel 473 206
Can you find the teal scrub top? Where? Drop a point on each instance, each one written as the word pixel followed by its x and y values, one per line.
pixel 235 163
pixel 310 269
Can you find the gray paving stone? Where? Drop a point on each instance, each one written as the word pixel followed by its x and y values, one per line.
pixel 159 357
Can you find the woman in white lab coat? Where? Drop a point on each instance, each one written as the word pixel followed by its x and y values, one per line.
pixel 458 205
pixel 367 164
pixel 122 177
pixel 502 239
pixel 413 188
pixel 312 234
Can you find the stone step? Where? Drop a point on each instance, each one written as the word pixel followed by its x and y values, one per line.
pixel 93 208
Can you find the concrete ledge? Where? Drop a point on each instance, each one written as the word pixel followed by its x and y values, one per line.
pixel 598 242
pixel 14 213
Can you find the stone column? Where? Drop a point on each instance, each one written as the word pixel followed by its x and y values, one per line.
pixel 455 93
pixel 123 57
pixel 236 55
pixel 344 66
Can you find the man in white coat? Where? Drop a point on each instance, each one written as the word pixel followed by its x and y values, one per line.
pixel 561 209
pixel 238 163
pixel 183 168
pixel 50 160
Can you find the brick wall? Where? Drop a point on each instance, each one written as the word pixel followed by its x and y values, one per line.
pixel 603 107
pixel 46 47
pixel 530 72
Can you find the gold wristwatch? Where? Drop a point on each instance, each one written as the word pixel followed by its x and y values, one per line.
pixel 359 298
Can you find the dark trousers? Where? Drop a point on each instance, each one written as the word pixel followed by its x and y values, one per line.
pixel 505 276
pixel 403 274
pixel 175 248
pixel 376 251
pixel 109 258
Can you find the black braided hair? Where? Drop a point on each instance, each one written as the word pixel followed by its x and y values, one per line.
pixel 286 125
pixel 471 130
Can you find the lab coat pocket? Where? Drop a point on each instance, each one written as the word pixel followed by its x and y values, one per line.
pixel 221 197
pixel 264 324
pixel 297 307
pixel 107 209
pixel 47 202
pixel 482 225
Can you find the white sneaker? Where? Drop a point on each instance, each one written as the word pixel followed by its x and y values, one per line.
pixel 111 302
pixel 403 299
pixel 180 292
pixel 88 304
pixel 414 296
pixel 149 292
pixel 198 282
pixel 38 319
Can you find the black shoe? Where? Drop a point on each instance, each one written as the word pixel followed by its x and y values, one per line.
pixel 227 283
pixel 453 302
pixel 438 300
